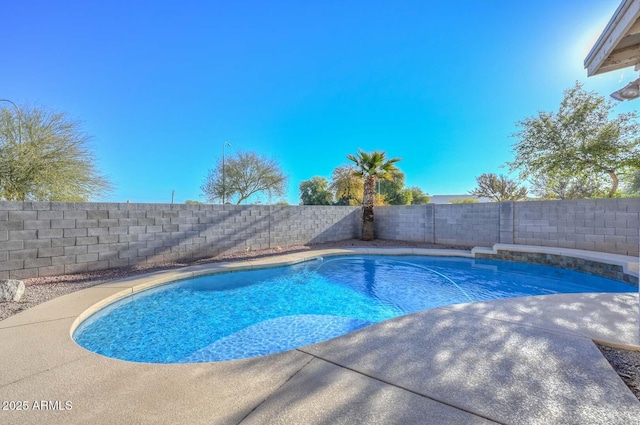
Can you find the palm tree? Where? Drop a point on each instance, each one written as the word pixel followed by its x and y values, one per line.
pixel 371 167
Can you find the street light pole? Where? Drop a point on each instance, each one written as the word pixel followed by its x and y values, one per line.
pixel 19 119
pixel 223 180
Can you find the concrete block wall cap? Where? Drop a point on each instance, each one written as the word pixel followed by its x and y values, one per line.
pixel 391 251
pixel 628 263
pixel 558 250
pixel 394 251
pixel 483 250
pixel 443 252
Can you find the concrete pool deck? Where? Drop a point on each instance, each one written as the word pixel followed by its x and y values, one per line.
pixel 519 361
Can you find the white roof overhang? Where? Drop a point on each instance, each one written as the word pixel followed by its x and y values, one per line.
pixel 619 44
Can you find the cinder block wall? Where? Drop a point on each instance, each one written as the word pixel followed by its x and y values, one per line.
pixel 405 223
pixel 52 238
pixel 313 224
pixel 606 225
pixel 468 224
pixel 463 224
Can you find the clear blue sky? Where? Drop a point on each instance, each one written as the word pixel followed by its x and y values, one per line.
pixel 162 85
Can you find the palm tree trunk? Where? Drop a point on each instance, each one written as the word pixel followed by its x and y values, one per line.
pixel 614 186
pixel 367 208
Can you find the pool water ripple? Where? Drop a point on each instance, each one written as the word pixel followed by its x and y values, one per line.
pixel 275 335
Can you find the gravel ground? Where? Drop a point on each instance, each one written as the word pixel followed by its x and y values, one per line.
pixel 41 289
pixel 627 364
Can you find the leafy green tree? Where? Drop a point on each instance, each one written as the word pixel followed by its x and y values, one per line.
pixel 370 167
pixel 498 188
pixel 394 191
pixel 632 183
pixel 418 197
pixel 315 192
pixel 579 140
pixel 45 156
pixel 568 187
pixel 346 186
pixel 404 197
pixel 392 186
pixel 245 174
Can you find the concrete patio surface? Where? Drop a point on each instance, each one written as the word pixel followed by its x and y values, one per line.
pixel 518 361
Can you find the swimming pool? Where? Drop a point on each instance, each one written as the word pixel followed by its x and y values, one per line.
pixel 253 313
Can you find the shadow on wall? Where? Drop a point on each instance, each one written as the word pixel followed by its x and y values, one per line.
pixel 54 238
pixel 200 231
pixel 348 227
pixel 464 224
pixel 44 239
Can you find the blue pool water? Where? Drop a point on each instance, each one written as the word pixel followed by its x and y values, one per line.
pixel 246 314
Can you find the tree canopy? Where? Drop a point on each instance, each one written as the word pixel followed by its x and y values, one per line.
pixel 347 187
pixel 569 187
pixel 394 191
pixel 579 140
pixel 418 197
pixel 498 188
pixel 632 183
pixel 45 156
pixel 245 174
pixel 316 192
